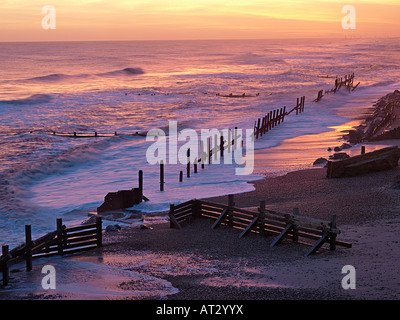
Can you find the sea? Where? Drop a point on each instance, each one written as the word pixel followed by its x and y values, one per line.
pixel 124 90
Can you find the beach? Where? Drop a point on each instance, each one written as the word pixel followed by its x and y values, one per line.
pixel 47 172
pixel 198 263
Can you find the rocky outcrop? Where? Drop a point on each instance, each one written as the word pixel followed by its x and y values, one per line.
pixel 382 124
pixel 121 200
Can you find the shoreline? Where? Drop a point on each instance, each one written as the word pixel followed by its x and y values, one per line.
pixel 198 263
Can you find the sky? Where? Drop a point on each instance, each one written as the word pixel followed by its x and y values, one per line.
pixel 96 20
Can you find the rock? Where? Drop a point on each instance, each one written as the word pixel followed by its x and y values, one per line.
pixel 336 149
pixel 339 156
pixel 121 200
pixel 320 161
pixel 90 220
pixel 345 146
pixel 144 227
pixel 113 228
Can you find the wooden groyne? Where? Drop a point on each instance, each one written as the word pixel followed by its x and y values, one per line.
pixel 59 242
pixel 263 221
pixel 379 160
pixel 275 117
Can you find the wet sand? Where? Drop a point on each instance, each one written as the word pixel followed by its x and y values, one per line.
pixel 200 263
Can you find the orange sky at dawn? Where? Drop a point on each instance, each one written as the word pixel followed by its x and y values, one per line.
pixel 21 20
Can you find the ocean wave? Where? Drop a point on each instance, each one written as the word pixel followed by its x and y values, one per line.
pixel 51 77
pixel 34 99
pixel 59 77
pixel 126 71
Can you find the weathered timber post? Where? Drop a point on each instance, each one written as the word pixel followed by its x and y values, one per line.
pixel 161 175
pixel 59 236
pixel 221 145
pixel 28 243
pixel 258 128
pixel 188 163
pixel 362 149
pixel 99 233
pixel 141 182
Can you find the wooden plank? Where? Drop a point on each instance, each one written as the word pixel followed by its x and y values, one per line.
pixel 68 236
pixel 183 204
pixel 318 244
pixel 212 209
pixel 80 244
pixel 221 217
pixel 172 219
pixel 80 249
pixel 212 204
pixel 81 239
pixel 252 224
pixel 79 228
pixel 213 214
pixel 282 235
pixel 183 213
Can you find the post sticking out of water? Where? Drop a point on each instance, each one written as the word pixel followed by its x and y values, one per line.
pixel 188 163
pixel 141 182
pixel 161 176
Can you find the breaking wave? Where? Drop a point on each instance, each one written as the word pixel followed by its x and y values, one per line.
pixel 58 77
pixel 34 99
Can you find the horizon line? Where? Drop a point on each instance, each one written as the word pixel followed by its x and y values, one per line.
pixel 205 39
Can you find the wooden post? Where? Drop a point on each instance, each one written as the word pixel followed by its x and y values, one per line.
pixel 297 106
pixel 172 219
pixel 59 236
pixel 6 271
pixel 141 182
pixel 195 166
pixel 258 128
pixel 267 122
pixel 235 139
pixel 95 134
pixel 74 134
pixel 180 176
pixel 362 149
pixel 221 145
pixel 270 120
pixel 161 175
pixel 231 202
pixel 188 163
pixel 28 243
pixel 99 233
pixel 284 113
pixel 273 119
